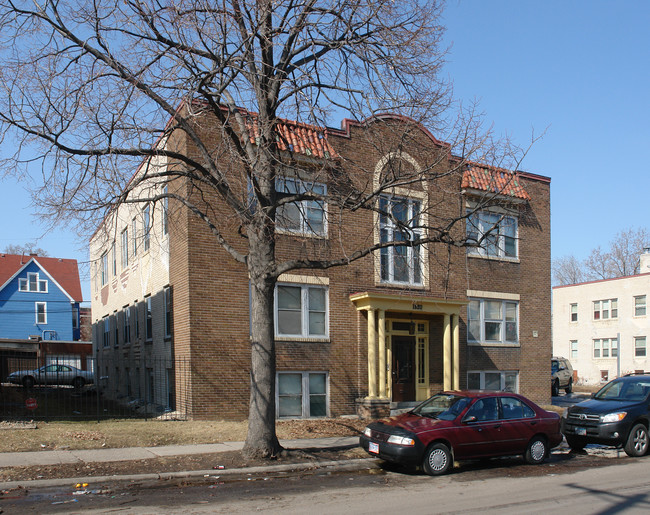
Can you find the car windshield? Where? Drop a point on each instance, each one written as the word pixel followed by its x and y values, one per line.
pixel 624 390
pixel 442 406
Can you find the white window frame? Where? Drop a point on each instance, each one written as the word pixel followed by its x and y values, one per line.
pixel 104 269
pixel 146 227
pixel 148 319
pixel 165 208
pixel 304 393
pixel 114 253
pixel 605 348
pixel 134 236
pixel 490 229
pixel 482 320
pixel 638 340
pixel 390 231
pixel 304 310
pixel 605 309
pixel 573 345
pixel 125 248
pixel 295 186
pixel 167 299
pixel 573 310
pixel 106 338
pixel 25 283
pixel 640 305
pixel 43 313
pixel 503 374
pixel 126 324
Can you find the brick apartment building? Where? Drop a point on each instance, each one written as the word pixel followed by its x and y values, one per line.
pixel 390 328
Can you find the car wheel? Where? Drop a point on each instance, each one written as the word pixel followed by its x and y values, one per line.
pixel 437 459
pixel 576 444
pixel 555 388
pixel 78 383
pixel 28 382
pixel 569 387
pixel 637 441
pixel 537 451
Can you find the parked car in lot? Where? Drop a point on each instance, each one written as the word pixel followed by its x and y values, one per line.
pixel 55 374
pixel 462 425
pixel 561 376
pixel 618 414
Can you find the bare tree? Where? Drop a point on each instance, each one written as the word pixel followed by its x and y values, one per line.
pixel 622 258
pixel 91 89
pixel 567 270
pixel 28 248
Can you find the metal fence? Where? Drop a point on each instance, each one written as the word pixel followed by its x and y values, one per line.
pixel 49 388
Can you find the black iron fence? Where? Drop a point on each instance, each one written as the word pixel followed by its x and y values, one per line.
pixel 64 388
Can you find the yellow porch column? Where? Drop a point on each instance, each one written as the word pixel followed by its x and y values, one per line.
pixel 456 353
pixel 372 355
pixel 446 353
pixel 382 353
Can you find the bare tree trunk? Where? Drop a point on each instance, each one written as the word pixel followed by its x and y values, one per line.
pixel 261 440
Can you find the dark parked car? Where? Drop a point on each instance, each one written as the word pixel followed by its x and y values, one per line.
pixel 55 374
pixel 464 425
pixel 561 376
pixel 618 415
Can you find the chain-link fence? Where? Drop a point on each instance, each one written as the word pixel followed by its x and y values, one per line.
pixel 58 388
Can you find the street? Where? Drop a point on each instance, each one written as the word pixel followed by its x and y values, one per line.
pixel 590 483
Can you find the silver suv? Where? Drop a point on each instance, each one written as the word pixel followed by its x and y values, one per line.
pixel 561 376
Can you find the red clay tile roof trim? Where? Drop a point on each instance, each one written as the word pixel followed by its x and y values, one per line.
pixel 494 180
pixel 296 137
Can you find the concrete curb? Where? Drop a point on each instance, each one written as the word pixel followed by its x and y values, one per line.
pixel 209 475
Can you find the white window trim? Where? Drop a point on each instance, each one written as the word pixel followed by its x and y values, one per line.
pixel 305 229
pixel 502 373
pixel 644 305
pixel 645 347
pixel 482 341
pixel 304 393
pixel 600 310
pixel 602 344
pixel 24 283
pixel 390 227
pixel 37 321
pixel 125 248
pixel 480 251
pixel 304 309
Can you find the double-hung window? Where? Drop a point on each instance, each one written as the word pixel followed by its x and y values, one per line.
pixel 507 381
pixel 32 283
pixel 106 340
pixel 574 312
pixel 605 309
pixel 301 394
pixel 301 311
pixel 605 347
pixel 126 318
pixel 639 306
pixel 148 322
pixel 492 234
pixel 399 221
pixel 492 321
pixel 146 227
pixel 41 312
pixel 304 216
pixel 125 248
pixel 639 347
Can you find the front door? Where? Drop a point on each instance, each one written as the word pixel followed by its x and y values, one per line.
pixel 403 367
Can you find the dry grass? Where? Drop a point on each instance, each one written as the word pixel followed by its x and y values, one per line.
pixel 152 433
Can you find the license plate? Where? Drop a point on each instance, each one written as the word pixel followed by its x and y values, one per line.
pixel 581 431
pixel 373 447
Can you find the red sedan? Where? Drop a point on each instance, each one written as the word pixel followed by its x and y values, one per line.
pixel 463 425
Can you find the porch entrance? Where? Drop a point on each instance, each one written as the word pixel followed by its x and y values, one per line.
pixel 403 368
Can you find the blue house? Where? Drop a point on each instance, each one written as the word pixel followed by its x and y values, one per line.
pixel 39 296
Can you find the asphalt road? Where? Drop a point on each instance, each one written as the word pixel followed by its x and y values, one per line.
pixel 595 482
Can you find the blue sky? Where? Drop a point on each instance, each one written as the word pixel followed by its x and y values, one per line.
pixel 579 70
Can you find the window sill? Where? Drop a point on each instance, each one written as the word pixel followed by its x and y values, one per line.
pixel 301 234
pixel 495 258
pixel 291 339
pixel 402 285
pixel 493 344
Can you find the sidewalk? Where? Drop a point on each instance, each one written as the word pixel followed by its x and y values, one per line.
pixel 36 458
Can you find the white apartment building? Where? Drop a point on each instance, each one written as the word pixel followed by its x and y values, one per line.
pixel 603 327
pixel 131 300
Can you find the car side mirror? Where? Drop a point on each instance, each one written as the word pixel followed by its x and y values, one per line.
pixel 469 419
